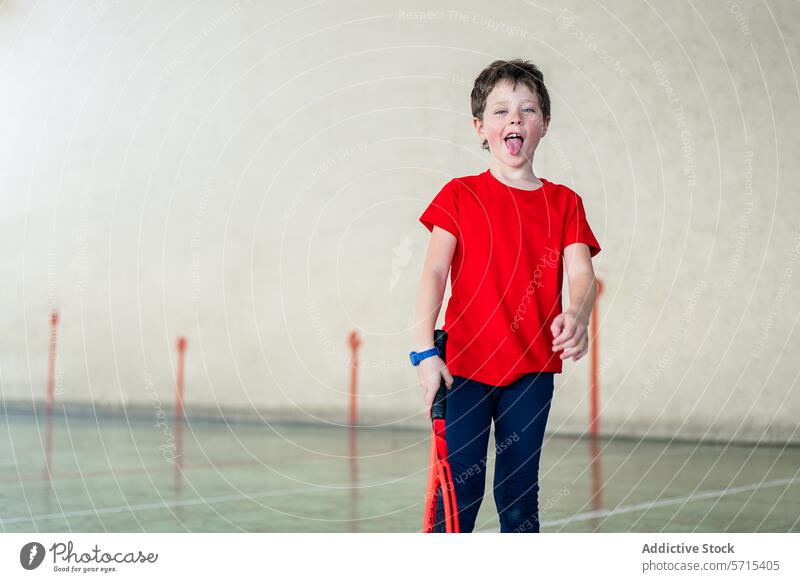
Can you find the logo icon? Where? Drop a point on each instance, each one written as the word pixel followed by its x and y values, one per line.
pixel 402 255
pixel 31 555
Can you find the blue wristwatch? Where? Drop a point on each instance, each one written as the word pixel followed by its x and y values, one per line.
pixel 417 357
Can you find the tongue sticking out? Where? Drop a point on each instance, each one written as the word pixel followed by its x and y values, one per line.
pixel 514 144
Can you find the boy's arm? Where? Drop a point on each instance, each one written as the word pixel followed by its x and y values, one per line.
pixel 432 285
pixel 570 328
pixel 582 286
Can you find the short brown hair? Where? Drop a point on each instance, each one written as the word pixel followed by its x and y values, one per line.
pixel 514 71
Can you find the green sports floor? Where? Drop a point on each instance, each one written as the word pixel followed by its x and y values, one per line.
pixel 117 474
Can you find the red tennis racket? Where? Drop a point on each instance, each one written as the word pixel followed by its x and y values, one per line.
pixel 441 510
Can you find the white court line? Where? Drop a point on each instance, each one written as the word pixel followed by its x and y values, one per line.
pixel 219 499
pixel 189 502
pixel 645 505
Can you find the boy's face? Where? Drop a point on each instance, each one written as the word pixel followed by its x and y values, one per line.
pixel 512 111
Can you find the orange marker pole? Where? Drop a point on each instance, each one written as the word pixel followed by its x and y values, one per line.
pixel 179 386
pixel 355 342
pixel 353 462
pixel 51 370
pixel 177 472
pixel 594 414
pixel 597 479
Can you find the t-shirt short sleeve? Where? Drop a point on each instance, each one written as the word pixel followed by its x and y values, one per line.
pixel 576 227
pixel 443 210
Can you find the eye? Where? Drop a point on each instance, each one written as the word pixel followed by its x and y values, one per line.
pixel 500 111
pixel 530 109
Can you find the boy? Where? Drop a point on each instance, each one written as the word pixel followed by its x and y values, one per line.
pixel 507 235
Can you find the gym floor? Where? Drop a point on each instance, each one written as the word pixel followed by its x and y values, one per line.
pixel 117 474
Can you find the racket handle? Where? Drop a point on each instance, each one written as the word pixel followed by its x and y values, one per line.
pixel 440 341
pixel 438 407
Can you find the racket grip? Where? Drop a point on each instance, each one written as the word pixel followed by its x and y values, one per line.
pixel 438 407
pixel 440 341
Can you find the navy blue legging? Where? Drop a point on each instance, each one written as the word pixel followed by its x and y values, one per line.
pixel 519 411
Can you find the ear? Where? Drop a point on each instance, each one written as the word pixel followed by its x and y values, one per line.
pixel 545 125
pixel 478 124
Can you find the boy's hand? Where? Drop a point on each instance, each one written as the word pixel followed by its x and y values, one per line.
pixel 570 334
pixel 431 371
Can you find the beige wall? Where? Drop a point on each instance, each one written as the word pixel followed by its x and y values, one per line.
pixel 250 175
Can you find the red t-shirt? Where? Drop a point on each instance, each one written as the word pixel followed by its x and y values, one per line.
pixel 506 273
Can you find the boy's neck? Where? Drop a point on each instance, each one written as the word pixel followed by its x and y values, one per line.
pixel 522 176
